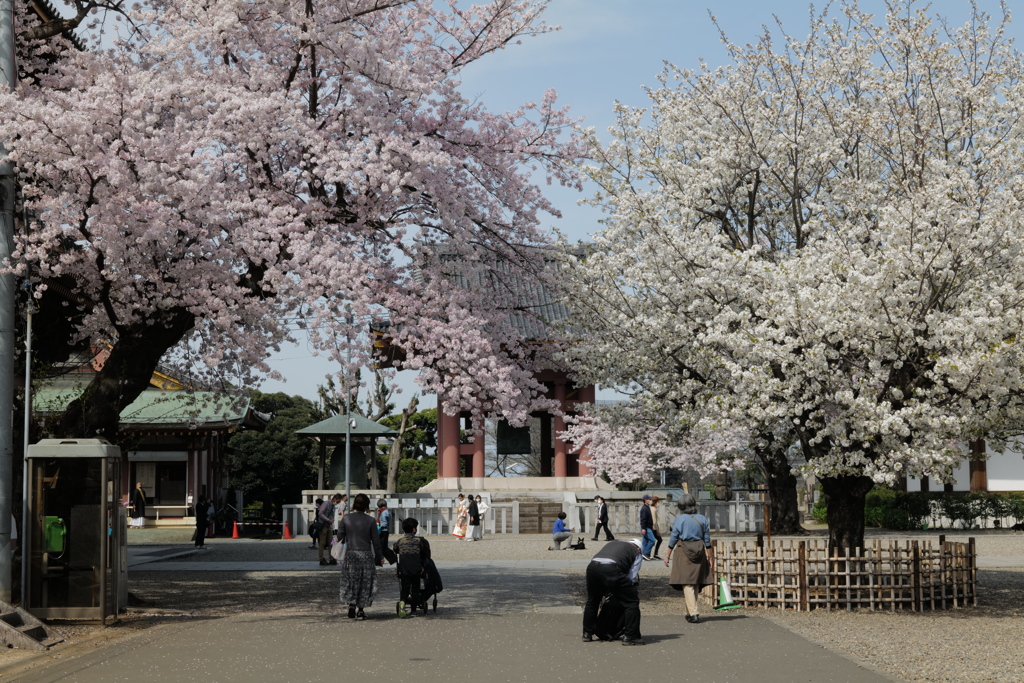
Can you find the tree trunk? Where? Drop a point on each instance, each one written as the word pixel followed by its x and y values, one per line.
pixel 723 490
pixel 785 507
pixel 125 374
pixel 395 456
pixel 844 497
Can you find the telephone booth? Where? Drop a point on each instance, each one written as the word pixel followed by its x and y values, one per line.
pixel 75 535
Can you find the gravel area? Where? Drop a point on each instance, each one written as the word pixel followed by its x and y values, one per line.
pixel 980 643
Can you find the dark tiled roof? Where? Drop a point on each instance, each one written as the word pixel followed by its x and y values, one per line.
pixel 533 304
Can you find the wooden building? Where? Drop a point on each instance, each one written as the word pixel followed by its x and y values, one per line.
pixel 173 438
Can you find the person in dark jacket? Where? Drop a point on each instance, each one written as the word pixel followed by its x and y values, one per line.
pixel 413 552
pixel 202 520
pixel 602 520
pixel 615 571
pixel 647 529
pixel 473 510
pixel 138 502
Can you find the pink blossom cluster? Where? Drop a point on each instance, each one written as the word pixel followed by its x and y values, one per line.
pixel 274 169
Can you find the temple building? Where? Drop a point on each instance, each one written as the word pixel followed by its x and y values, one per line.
pixel 173 437
pixel 461 444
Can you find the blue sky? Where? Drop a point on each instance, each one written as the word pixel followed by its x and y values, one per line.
pixel 606 51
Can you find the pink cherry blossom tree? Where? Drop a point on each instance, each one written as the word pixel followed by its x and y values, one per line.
pixel 230 174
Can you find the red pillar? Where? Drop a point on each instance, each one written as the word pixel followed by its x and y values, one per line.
pixel 560 465
pixel 587 394
pixel 478 449
pixel 449 447
pixel 584 463
pixel 978 467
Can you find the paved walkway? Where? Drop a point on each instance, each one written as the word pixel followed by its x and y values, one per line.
pixel 498 621
pixel 526 647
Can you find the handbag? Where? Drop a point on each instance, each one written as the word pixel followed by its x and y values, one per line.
pixel 338 550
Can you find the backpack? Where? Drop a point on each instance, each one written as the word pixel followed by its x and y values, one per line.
pixel 410 563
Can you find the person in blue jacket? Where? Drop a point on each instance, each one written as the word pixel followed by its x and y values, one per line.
pixel 561 534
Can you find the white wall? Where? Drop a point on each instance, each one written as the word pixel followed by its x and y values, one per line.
pixel 1006 470
pixel 1005 473
pixel 962 474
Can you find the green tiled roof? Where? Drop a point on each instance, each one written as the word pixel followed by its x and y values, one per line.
pixel 335 426
pixel 160 408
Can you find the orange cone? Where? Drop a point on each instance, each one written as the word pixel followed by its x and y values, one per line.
pixel 287 532
pixel 234 531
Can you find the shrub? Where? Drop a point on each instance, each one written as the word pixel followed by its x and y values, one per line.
pixel 819 512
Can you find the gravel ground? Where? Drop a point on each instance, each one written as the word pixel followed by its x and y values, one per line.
pixel 981 643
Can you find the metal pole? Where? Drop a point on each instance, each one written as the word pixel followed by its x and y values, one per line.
pixel 24 446
pixel 348 415
pixel 348 440
pixel 7 298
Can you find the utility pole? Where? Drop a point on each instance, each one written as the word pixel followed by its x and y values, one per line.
pixel 348 412
pixel 7 299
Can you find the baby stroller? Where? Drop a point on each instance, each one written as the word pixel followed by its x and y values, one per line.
pixel 431 584
pixel 412 570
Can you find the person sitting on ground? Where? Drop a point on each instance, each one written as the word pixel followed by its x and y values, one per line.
pixel 561 533
pixel 413 551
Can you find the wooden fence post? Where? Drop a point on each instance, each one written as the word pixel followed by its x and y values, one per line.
pixel 804 605
pixel 972 570
pixel 915 581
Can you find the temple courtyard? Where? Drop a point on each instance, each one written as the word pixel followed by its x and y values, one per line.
pixel 247 610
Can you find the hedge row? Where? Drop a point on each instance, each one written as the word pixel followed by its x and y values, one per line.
pixel 886 508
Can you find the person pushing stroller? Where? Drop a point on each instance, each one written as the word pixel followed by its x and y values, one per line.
pixel 413 554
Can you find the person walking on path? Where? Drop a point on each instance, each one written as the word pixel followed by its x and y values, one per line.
pixel 561 533
pixel 482 507
pixel 362 557
pixel 413 552
pixel 647 528
pixel 202 520
pixel 692 558
pixel 461 517
pixel 314 526
pixel 657 532
pixel 325 517
pixel 615 571
pixel 384 522
pixel 472 519
pixel 138 507
pixel 602 520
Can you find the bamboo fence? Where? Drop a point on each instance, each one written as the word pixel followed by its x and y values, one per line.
pixel 885 575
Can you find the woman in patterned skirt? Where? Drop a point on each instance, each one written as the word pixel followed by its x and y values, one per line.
pixel 362 557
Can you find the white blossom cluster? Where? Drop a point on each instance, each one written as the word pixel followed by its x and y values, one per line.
pixel 821 240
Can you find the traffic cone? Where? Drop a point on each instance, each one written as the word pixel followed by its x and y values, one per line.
pixel 287 532
pixel 725 596
pixel 234 531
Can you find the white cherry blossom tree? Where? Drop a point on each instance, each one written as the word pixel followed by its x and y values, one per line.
pixel 229 172
pixel 822 241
